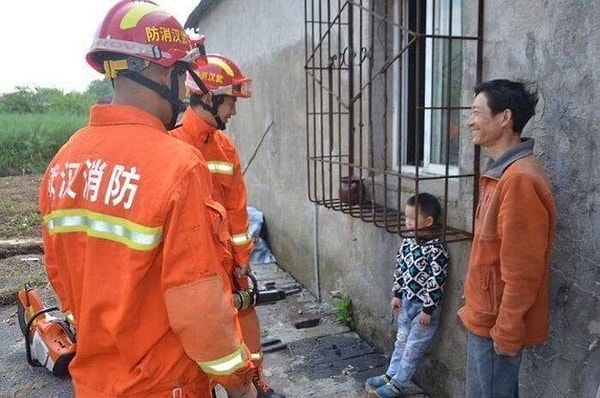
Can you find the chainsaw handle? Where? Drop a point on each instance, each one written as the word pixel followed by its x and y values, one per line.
pixel 28 337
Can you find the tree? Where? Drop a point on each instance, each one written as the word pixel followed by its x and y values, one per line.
pixel 100 88
pixel 52 100
pixel 20 101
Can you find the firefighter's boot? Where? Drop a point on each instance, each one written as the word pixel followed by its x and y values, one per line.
pixel 263 389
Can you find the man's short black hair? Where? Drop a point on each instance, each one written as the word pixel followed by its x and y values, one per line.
pixel 504 94
pixel 427 206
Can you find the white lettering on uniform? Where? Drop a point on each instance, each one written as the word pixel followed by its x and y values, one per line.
pixel 120 191
pixel 93 178
pixel 68 176
pixel 54 171
pixel 122 184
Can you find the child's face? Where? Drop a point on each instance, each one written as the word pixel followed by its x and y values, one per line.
pixel 412 219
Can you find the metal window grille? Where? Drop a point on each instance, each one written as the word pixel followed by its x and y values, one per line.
pixel 383 87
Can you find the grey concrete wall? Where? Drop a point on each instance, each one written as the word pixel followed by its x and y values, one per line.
pixel 556 44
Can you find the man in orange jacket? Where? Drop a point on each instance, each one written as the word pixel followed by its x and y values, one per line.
pixel 507 284
pixel 132 234
pixel 202 126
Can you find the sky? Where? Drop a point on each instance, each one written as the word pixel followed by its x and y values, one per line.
pixel 44 42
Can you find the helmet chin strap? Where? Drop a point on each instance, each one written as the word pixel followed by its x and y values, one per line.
pixel 171 95
pixel 220 124
pixel 217 100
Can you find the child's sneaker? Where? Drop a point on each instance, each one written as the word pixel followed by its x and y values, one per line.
pixel 388 390
pixel 373 383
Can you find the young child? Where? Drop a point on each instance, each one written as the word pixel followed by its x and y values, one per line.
pixel 419 278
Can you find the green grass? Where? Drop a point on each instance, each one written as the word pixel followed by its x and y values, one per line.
pixel 29 141
pixel 343 311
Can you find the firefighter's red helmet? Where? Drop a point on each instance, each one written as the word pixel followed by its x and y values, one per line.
pixel 221 76
pixel 141 29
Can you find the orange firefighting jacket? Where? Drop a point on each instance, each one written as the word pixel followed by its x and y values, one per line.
pixel 129 238
pixel 228 182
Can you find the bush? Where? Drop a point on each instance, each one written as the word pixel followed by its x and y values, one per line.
pixel 30 141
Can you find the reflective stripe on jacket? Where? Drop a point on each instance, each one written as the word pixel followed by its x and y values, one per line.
pixel 129 239
pixel 228 182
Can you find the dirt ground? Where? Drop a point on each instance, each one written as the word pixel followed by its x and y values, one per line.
pixel 21 261
pixel 19 215
pixel 20 236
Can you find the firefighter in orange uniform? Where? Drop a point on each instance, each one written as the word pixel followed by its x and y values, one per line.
pixel 131 233
pixel 202 126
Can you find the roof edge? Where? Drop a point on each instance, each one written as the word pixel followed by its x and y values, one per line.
pixel 197 14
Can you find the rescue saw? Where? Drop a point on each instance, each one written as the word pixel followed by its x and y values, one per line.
pixel 50 339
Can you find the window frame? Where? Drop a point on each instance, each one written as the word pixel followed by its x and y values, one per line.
pixel 359 110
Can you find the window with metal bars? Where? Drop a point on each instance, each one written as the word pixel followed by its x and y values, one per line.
pixel 384 81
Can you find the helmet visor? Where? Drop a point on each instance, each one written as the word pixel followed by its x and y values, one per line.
pixel 242 88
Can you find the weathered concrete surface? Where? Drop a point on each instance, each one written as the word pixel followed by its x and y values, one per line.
pixel 326 360
pixel 13 252
pixel 13 247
